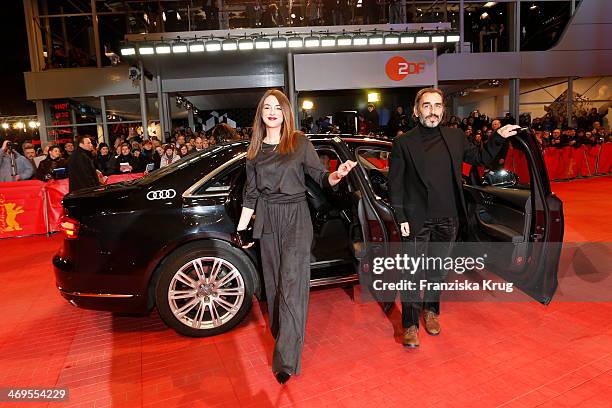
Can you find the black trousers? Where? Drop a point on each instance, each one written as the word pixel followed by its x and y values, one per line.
pixel 285 256
pixel 442 233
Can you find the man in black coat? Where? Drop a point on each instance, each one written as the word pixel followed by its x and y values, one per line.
pixel 81 170
pixel 425 189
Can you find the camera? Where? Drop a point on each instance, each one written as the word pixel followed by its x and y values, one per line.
pixel 9 146
pixel 133 73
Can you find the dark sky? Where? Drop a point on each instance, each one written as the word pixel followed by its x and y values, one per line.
pixel 15 61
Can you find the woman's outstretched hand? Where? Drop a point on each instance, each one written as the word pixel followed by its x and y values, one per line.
pixel 343 170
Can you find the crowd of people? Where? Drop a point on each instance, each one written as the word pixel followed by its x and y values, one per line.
pixel 132 154
pixel 550 131
pixel 129 154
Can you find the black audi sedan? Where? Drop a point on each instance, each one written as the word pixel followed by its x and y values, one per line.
pixel 165 240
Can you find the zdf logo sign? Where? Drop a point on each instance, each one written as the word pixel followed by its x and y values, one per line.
pixel 398 68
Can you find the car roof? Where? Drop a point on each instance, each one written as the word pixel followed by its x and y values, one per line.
pixel 348 138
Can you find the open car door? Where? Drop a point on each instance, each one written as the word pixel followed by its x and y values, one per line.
pixel 513 215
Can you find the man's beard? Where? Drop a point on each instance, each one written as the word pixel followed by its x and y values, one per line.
pixel 427 120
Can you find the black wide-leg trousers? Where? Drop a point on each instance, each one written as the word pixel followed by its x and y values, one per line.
pixel 285 254
pixel 442 233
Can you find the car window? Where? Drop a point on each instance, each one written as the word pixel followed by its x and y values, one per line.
pixel 510 170
pixel 328 157
pixel 206 160
pixel 223 182
pixel 375 163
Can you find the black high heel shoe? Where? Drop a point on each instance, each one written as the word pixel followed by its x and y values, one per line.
pixel 282 377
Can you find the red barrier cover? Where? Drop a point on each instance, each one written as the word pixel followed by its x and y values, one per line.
pixel 550 160
pixel 22 208
pixel 55 190
pixel 118 178
pixel 605 159
pixel 574 161
pixel 592 153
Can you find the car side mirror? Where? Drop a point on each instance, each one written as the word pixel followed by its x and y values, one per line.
pixel 500 178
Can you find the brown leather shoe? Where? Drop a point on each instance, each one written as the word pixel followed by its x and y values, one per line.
pixel 411 337
pixel 432 324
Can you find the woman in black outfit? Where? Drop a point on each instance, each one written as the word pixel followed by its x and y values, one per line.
pixel 54 160
pixel 104 160
pixel 277 161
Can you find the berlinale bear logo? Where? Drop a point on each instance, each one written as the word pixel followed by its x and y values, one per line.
pixel 8 216
pixel 398 68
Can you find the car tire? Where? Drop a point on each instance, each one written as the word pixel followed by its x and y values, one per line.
pixel 204 289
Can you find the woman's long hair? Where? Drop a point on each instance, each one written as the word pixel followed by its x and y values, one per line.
pixel 288 138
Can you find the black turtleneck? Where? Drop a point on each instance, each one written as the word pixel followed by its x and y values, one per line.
pixel 442 192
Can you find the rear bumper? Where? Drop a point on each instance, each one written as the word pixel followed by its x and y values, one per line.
pixel 81 291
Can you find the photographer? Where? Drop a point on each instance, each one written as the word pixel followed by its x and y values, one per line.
pixel 13 166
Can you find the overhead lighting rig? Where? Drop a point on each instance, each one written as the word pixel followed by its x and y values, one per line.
pixel 313 40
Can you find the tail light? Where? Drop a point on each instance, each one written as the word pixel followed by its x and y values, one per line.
pixel 69 227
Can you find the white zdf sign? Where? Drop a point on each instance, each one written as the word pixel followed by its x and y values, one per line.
pixel 372 69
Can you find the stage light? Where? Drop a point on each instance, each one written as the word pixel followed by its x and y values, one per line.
pixel 229 45
pixel 328 41
pixel 373 97
pixel 279 42
pixel 360 40
pixel 437 38
pixel 5 125
pixel 179 47
pixel 406 38
pixel 490 3
pixel 344 40
pixel 453 38
pixel 295 42
pixel 245 44
pixel 392 39
pixel 196 46
pixel 422 39
pixel 307 105
pixel 375 39
pixel 19 125
pixel 145 49
pixel 32 124
pixel 162 48
pixel 128 50
pixel 312 41
pixel 262 43
pixel 213 45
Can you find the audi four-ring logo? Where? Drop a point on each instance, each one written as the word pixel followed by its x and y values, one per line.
pixel 161 194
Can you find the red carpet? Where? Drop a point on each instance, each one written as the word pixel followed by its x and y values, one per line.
pixel 488 355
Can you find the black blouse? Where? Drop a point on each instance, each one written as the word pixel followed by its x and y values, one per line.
pixel 272 174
